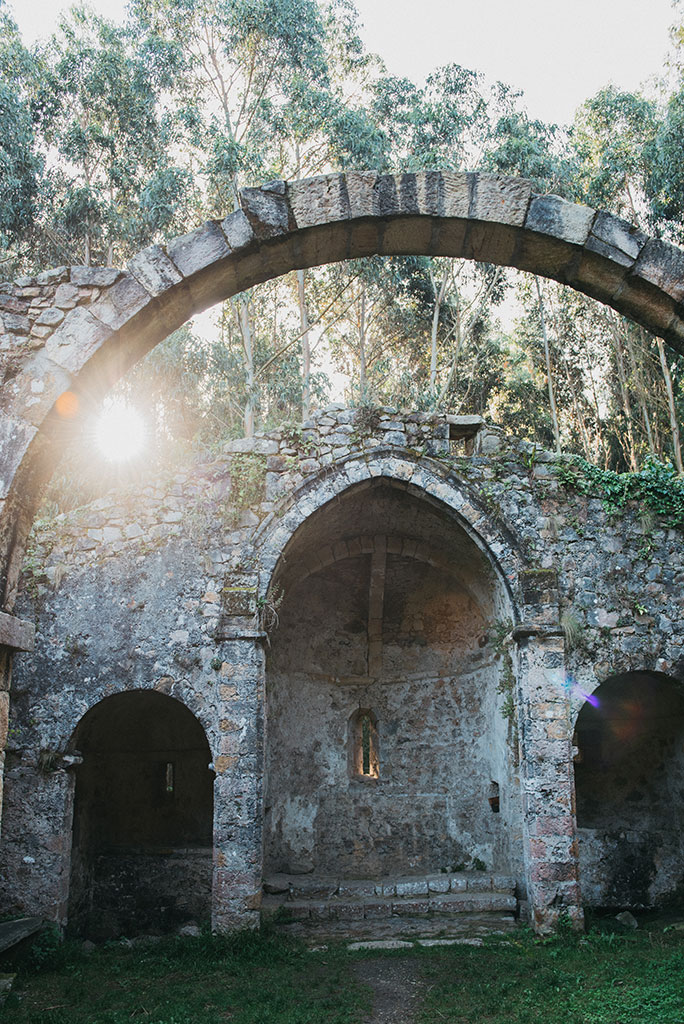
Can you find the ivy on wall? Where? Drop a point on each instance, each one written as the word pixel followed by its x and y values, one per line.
pixel 657 485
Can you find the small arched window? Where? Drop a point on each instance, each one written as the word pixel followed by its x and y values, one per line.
pixel 364 759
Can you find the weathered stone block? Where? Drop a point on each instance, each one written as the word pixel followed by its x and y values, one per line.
pixel 15 437
pixel 239 599
pixel 499 199
pixel 199 249
pixel 662 265
pixel 267 209
pixel 154 270
pixel 94 277
pixel 16 633
pixel 438 883
pixel 50 317
pixel 15 324
pixel 78 337
pixel 551 215
pixel 120 302
pixel 66 296
pixel 251 445
pixel 238 230
pixel 412 887
pixel 615 238
pixel 320 200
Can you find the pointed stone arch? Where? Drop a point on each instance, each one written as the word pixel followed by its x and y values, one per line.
pixel 425 478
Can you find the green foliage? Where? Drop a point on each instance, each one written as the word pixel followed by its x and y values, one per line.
pixel 97 106
pixel 657 486
pixel 501 630
pixel 614 132
pixel 366 419
pixel 247 483
pixel 20 164
pixel 573 629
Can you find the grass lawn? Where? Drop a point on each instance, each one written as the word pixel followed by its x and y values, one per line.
pixel 601 978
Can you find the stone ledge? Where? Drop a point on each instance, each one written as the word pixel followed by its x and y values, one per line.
pixel 16 633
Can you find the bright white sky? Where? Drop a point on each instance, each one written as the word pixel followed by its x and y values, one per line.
pixel 558 53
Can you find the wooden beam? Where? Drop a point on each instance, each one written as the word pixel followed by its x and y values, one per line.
pixel 376 601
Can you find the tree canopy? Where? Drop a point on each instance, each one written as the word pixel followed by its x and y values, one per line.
pixel 113 136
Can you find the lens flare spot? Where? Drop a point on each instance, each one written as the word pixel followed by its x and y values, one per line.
pixel 119 432
pixel 67 405
pixel 572 687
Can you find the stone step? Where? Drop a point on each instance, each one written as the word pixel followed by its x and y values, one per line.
pixel 297 887
pixel 432 927
pixel 369 907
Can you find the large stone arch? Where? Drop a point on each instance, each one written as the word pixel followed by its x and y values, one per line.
pixel 281 227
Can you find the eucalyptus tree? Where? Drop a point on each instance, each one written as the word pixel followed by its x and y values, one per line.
pixel 99 110
pixel 21 165
pixel 256 78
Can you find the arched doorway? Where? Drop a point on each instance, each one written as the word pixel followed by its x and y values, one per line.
pixel 629 780
pixel 385 736
pixel 142 836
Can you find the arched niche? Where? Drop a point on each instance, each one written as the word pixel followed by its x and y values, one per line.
pixel 629 780
pixel 386 619
pixel 142 827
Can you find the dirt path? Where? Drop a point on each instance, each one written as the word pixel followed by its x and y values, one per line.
pixel 396 986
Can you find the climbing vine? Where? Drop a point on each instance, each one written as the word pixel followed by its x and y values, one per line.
pixel 657 485
pixel 247 483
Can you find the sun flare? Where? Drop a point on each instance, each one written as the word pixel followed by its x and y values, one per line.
pixel 119 432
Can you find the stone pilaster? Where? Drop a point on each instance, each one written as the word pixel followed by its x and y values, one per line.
pixel 548 789
pixel 238 785
pixel 5 681
pixel 37 857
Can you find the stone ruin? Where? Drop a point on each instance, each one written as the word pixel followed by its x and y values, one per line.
pixel 382 666
pixel 356 671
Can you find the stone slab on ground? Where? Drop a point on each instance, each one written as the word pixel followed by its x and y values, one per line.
pixel 380 944
pixel 12 932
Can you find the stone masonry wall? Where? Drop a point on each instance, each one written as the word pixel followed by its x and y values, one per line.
pixel 162 589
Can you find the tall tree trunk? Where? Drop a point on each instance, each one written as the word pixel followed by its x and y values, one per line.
pixel 674 426
pixel 245 325
pixel 439 299
pixel 549 373
pixel 636 360
pixel 624 392
pixel 306 347
pixel 362 346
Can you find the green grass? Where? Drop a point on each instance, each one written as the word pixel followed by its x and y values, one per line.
pixel 601 978
pixel 246 979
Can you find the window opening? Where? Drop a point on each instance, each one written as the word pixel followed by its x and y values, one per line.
pixel 366 745
pixel 364 762
pixel 170 778
pixel 494 797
